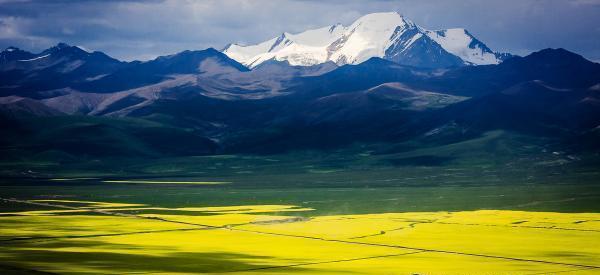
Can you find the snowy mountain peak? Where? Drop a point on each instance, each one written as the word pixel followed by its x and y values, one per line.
pixel 384 20
pixel 387 35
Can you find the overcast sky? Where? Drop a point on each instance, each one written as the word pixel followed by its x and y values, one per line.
pixel 137 29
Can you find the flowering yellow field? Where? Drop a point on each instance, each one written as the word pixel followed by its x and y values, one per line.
pixel 79 237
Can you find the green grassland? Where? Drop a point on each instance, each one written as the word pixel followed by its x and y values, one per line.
pixel 495 158
pixel 498 170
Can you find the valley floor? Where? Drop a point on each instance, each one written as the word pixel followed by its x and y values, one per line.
pixel 119 228
pixel 498 204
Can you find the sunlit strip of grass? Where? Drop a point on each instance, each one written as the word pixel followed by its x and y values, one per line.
pixel 168 182
pixel 87 204
pixel 72 179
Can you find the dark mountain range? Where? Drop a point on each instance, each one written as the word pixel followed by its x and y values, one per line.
pixel 138 74
pixel 206 102
pixel 12 54
pixel 57 67
pixel 556 67
pixel 532 107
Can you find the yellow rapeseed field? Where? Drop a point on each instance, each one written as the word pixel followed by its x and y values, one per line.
pixel 83 237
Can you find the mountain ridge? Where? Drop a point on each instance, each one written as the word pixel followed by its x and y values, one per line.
pixel 277 106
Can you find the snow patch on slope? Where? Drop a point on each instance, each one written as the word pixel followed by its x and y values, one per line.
pixel 460 43
pixel 34 59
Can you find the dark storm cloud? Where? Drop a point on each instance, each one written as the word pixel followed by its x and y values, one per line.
pixel 143 29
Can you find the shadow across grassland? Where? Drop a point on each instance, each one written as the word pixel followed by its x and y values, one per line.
pixel 110 258
pixel 420 161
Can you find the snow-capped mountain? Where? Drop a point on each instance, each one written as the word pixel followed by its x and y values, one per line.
pixel 386 35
